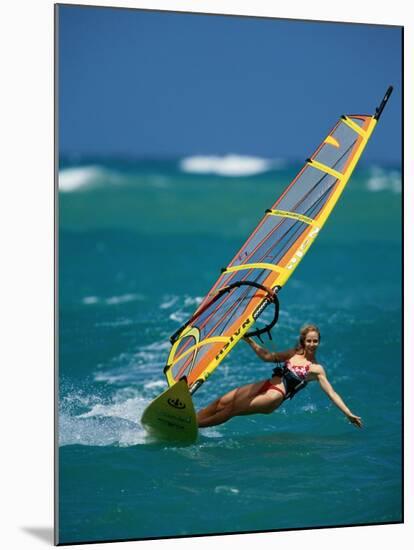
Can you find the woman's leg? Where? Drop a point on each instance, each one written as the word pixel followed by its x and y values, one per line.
pixel 240 401
pixel 219 417
pixel 221 406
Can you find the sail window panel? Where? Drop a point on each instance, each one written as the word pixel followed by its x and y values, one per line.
pixel 233 309
pixel 215 320
pixel 185 344
pixel 229 278
pixel 342 163
pixel 306 196
pixel 262 248
pixel 273 249
pixel 270 243
pixel 267 226
pixel 211 316
pixel 315 207
pixel 271 246
pixel 224 280
pixel 307 190
pixel 345 136
pixel 203 321
pixel 258 275
pixel 313 202
pixel 336 157
pixel 182 367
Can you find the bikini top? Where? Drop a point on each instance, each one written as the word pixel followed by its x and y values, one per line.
pixel 293 377
pixel 300 370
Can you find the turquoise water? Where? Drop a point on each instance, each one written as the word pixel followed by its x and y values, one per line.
pixel 140 244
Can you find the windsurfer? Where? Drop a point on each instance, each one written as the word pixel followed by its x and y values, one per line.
pixel 263 397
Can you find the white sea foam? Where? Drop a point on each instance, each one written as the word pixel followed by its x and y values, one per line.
pixel 168 301
pixel 178 316
pixel 113 300
pixel 73 179
pixel 186 308
pixel 105 423
pixel 115 323
pixel 99 431
pixel 90 300
pixel 229 165
pixel 191 301
pixel 157 346
pixel 384 180
pixel 156 384
pixel 111 378
pixel 310 408
pixel 127 367
pixel 126 409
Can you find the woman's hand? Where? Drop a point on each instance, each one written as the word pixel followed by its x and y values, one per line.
pixel 356 420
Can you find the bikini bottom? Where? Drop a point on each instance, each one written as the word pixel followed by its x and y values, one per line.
pixel 269 386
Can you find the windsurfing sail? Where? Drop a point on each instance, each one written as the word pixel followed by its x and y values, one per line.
pixel 270 255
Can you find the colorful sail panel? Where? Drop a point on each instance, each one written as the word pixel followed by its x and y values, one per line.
pixel 269 256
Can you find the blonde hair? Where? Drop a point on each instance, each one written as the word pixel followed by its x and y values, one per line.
pixel 300 346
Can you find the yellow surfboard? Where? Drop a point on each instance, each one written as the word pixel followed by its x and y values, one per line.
pixel 171 416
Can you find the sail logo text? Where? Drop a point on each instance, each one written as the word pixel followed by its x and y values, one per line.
pixel 232 338
pixel 300 252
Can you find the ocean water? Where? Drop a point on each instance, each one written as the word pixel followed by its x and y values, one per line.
pixel 140 244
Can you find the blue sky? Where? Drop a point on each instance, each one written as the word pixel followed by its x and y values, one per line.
pixel 153 84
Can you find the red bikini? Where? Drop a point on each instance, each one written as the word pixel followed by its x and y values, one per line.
pixel 269 386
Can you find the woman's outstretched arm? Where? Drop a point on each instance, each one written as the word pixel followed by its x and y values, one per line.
pixel 335 397
pixel 266 355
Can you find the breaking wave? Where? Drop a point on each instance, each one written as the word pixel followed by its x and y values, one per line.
pixel 229 165
pixel 74 179
pixel 380 179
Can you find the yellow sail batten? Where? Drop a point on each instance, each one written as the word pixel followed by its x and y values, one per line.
pixel 260 265
pixel 326 169
pixel 292 215
pixel 355 127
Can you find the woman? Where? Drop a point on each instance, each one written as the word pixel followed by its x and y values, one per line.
pixel 266 396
